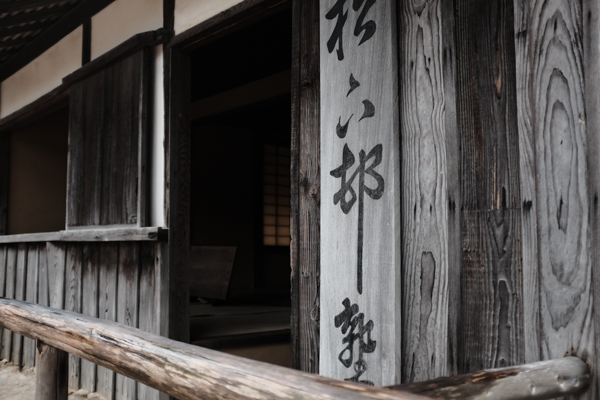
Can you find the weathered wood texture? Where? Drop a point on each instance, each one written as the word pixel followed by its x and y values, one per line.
pixel 360 196
pixel 91 235
pixel 108 123
pixel 181 370
pixel 425 255
pixel 541 380
pixel 491 302
pixel 557 281
pixel 305 187
pixel 51 373
pixel 114 281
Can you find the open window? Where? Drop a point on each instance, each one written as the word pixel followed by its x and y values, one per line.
pixel 240 187
pixel 35 171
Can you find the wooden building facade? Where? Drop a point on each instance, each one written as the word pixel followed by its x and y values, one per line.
pixel 134 131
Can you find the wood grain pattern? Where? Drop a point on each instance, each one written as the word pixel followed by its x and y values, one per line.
pixel 305 188
pixel 127 306
pixel 107 309
pixel 73 275
pixel 424 205
pixel 19 294
pixel 11 274
pixel 492 312
pixel 181 370
pixel 43 278
pixel 31 296
pixel 552 128
pixel 89 304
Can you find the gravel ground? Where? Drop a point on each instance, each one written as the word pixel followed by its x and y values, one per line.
pixel 20 385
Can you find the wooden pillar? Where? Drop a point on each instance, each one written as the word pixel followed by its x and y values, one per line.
pixel 51 373
pixel 360 193
pixel 305 188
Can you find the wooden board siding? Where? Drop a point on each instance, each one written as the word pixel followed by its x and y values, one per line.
pixel 553 138
pixel 117 281
pixel 491 303
pixel 107 174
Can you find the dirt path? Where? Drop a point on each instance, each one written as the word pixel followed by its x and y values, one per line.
pixel 17 385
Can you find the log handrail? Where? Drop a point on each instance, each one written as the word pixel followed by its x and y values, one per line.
pixel 540 380
pixel 178 369
pixel 191 372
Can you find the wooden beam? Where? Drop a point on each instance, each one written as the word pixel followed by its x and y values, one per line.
pixel 181 370
pixel 22 28
pixel 133 234
pixel 128 47
pixel 226 22
pixel 86 9
pixel 48 103
pixel 7 6
pixel 542 380
pixel 305 186
pixel 22 18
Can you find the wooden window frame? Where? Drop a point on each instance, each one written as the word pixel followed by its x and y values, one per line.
pixel 305 160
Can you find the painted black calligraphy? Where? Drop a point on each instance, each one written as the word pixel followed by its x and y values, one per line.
pixel 367 29
pixel 369 110
pixel 346 189
pixel 351 321
pixel 337 11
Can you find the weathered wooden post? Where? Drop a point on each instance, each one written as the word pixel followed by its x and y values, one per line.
pixel 360 193
pixel 51 373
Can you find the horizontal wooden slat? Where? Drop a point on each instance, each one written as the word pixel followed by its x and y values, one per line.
pixel 179 369
pixel 91 235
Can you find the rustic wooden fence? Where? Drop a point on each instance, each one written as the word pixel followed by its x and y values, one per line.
pixel 117 280
pixel 191 372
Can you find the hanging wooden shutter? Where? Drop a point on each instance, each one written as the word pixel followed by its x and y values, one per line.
pixel 107 136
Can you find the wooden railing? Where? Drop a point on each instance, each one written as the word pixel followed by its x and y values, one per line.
pixel 190 372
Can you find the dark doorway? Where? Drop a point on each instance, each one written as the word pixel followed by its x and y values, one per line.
pixel 240 186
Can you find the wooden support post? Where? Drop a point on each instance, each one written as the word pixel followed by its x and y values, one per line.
pixel 52 373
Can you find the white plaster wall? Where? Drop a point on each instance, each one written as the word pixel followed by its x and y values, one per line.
pixel 42 75
pixel 189 13
pixel 157 163
pixel 123 19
